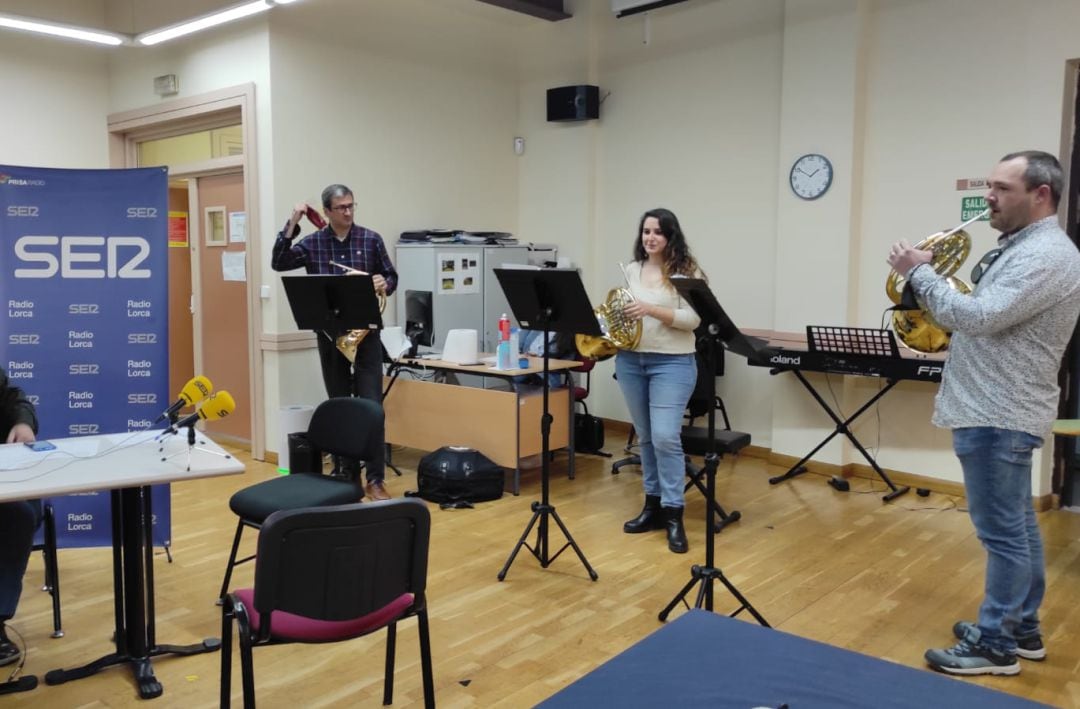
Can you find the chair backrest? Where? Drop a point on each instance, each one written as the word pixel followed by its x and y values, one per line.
pixel 342 562
pixel 350 427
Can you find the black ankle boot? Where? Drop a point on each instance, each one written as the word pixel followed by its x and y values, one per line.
pixel 649 519
pixel 676 534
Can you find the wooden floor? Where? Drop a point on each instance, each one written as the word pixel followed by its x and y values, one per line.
pixel 842 568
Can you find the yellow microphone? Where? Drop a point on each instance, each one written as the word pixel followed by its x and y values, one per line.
pixel 216 406
pixel 197 389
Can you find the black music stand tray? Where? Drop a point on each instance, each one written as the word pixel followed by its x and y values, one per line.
pixel 846 343
pixel 333 304
pixel 719 327
pixel 552 300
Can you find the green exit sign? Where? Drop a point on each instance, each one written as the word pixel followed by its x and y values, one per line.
pixel 970 208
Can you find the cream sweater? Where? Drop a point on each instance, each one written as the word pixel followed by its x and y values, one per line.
pixel 655 335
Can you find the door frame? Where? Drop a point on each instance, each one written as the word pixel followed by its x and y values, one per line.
pixel 187 115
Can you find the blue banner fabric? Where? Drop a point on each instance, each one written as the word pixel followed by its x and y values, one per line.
pixel 84 287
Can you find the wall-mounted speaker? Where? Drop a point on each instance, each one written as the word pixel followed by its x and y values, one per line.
pixel 573 103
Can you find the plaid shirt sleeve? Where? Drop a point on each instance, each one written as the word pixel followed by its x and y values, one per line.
pixel 386 267
pixel 286 255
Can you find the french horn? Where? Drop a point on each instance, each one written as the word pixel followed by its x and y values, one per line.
pixel 348 342
pixel 916 328
pixel 617 331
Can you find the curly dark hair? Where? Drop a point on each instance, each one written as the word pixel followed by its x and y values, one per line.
pixel 678 260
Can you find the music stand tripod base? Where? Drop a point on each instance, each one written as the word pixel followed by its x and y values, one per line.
pixel 551 300
pixel 697 293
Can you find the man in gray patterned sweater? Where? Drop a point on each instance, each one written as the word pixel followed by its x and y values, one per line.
pixel 999 395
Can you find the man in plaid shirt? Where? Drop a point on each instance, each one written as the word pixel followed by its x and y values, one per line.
pixel 354 247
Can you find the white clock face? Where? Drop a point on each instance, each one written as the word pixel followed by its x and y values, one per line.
pixel 811 176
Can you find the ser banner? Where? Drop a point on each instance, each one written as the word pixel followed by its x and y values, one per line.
pixel 84 287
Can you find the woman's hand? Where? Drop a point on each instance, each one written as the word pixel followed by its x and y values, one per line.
pixel 638 310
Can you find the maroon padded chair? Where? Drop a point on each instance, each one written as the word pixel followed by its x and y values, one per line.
pixel 329 574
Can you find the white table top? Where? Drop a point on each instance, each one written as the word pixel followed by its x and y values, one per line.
pixel 109 462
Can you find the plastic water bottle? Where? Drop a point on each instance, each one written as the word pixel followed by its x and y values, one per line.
pixel 504 328
pixel 515 348
pixel 502 356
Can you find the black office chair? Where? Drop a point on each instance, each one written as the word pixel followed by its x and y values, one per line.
pixel 329 574
pixel 344 426
pixel 52 570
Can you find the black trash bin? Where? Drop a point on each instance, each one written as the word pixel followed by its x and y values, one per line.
pixel 302 457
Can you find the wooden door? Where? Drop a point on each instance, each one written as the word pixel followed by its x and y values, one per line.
pixel 181 344
pixel 223 317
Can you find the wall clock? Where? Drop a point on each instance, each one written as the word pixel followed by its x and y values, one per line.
pixel 811 176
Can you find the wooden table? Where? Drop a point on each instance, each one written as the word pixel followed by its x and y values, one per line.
pixel 503 425
pixel 127 464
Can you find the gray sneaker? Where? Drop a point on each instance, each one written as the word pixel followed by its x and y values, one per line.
pixel 1029 648
pixel 964 658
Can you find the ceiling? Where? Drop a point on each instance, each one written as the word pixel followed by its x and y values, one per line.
pixel 136 16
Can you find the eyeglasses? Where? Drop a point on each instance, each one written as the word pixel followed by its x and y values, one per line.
pixel 984 263
pixel 344 208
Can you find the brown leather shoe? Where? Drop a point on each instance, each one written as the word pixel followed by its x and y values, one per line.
pixel 376 491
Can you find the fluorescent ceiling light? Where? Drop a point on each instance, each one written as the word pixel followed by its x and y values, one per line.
pixel 202 23
pixel 18 23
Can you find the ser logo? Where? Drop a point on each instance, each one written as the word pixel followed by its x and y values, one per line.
pixel 84 369
pixel 78 256
pixel 82 429
pixel 24 339
pixel 22 210
pixel 142 398
pixel 142 212
pixel 84 309
pixel 33 399
pixel 927 371
pixel 142 338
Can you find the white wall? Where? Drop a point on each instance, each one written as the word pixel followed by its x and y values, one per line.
pixel 689 122
pixel 55 99
pixel 423 141
pixel 707 118
pixel 939 109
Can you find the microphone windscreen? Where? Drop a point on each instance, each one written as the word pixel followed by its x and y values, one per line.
pixel 217 406
pixel 197 389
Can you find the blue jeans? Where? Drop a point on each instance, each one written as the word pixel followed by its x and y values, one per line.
pixel 657 388
pixel 997 479
pixel 18 520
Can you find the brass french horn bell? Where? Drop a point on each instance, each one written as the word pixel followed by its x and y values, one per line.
pixel 348 342
pixel 916 328
pixel 617 331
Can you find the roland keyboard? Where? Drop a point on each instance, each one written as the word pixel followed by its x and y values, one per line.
pixel 790 352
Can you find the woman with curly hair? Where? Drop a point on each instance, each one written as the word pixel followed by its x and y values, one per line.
pixel 658 377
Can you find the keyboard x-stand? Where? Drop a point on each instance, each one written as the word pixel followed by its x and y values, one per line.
pixel 850 351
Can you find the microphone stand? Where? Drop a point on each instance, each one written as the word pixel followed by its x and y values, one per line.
pixel 174 429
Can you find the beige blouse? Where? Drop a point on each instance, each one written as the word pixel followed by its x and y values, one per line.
pixel 655 335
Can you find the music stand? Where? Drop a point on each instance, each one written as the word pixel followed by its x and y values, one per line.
pixel 721 329
pixel 552 300
pixel 333 305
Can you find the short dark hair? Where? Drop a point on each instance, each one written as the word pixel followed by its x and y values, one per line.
pixel 333 191
pixel 1042 169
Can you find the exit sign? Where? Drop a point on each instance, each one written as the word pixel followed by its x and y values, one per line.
pixel 970 208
